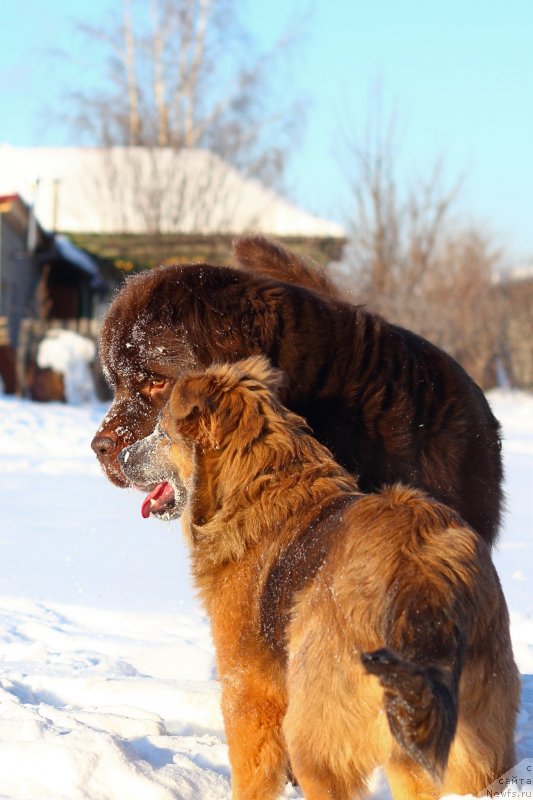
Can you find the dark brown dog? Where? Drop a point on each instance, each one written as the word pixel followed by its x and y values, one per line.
pixel 390 405
pixel 313 588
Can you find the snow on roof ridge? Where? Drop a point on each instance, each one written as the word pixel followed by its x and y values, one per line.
pixel 137 190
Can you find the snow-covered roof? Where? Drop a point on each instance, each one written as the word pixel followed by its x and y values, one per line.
pixel 55 244
pixel 140 190
pixel 79 259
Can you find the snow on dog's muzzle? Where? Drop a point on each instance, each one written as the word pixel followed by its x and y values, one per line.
pixel 147 466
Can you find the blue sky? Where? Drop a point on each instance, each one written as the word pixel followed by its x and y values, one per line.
pixel 457 75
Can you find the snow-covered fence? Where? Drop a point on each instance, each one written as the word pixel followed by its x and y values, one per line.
pixel 32 333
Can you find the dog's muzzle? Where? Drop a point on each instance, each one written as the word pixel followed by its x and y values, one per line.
pixel 147 467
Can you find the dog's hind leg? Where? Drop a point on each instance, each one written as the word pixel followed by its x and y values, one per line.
pixel 483 749
pixel 408 781
pixel 319 783
pixel 334 731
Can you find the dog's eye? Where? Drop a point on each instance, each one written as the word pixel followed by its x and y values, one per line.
pixel 155 389
pixel 157 383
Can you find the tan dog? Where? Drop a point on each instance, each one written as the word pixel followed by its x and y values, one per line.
pixel 314 589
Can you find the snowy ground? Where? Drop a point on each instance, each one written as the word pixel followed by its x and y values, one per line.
pixel 107 688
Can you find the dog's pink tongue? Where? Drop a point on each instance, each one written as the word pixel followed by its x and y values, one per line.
pixel 157 499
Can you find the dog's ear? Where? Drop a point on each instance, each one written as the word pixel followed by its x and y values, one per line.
pixel 260 369
pixel 188 396
pixel 188 411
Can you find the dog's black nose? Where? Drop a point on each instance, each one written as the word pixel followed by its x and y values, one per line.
pixel 103 446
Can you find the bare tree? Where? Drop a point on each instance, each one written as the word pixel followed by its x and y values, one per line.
pixel 411 260
pixel 515 292
pixel 184 74
pixel 460 310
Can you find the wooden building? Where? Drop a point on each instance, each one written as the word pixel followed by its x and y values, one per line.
pixel 42 276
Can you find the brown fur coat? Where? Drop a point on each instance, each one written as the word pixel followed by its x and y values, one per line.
pixel 389 405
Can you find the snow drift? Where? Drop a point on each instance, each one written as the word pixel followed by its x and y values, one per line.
pixel 107 684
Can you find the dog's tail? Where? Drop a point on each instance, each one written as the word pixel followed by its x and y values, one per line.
pixel 257 254
pixel 429 612
pixel 421 706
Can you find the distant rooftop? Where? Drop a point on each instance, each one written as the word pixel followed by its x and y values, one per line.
pixel 522 271
pixel 145 190
pixel 47 246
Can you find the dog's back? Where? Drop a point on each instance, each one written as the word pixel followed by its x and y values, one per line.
pixel 409 594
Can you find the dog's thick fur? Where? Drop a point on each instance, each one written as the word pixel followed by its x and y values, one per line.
pixel 390 405
pixel 314 589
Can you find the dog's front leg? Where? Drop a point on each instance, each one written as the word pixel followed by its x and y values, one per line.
pixel 253 714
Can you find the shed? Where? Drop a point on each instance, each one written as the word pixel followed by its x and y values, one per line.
pixel 42 276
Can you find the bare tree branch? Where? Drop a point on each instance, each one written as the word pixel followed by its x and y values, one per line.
pixel 411 260
pixel 183 73
pixel 158 47
pixel 131 75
